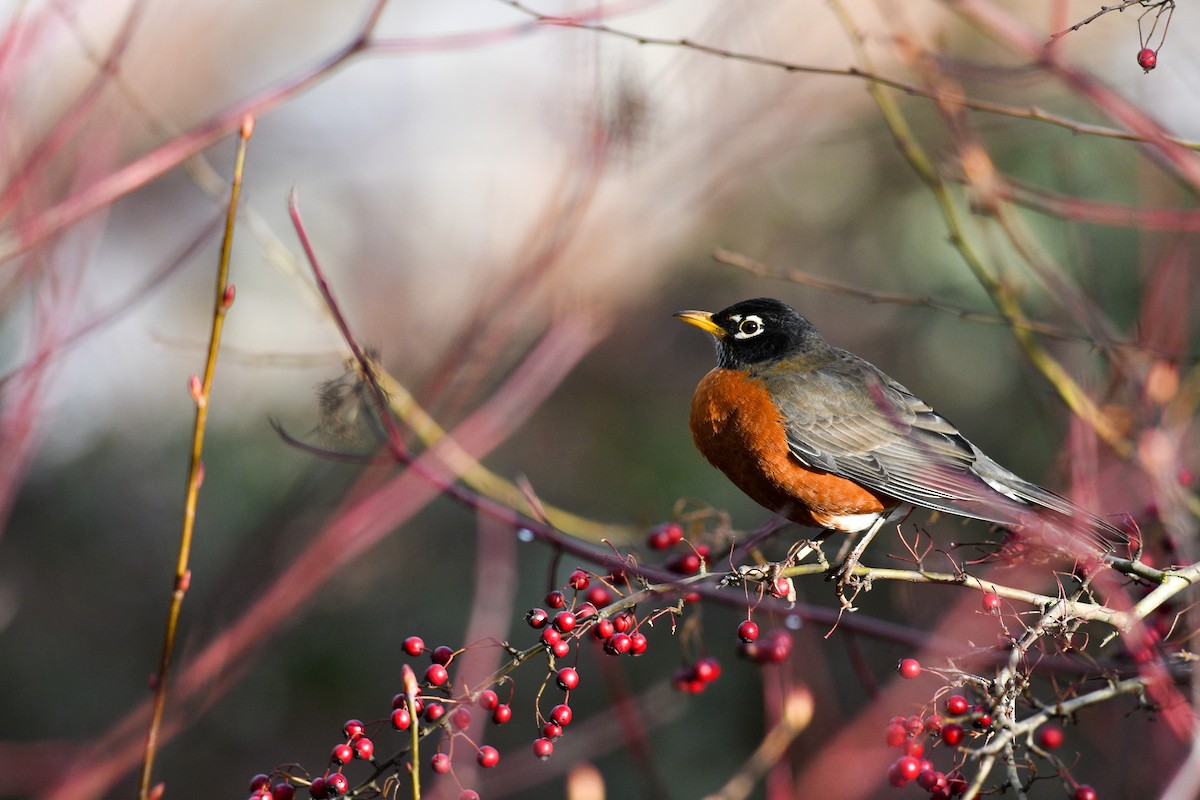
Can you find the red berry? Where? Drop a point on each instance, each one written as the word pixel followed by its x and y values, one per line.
pixel 983 720
pixel 461 718
pixel 930 779
pixel 502 714
pixel 561 714
pixel 914 748
pixel 658 539
pixel 684 680
pixel 914 725
pixel 543 748
pixel 895 735
pixel 637 644
pixel 401 719
pixel 894 777
pixel 537 617
pixel 488 756
pixel 603 629
pixel 434 712
pixel 623 622
pixel 551 636
pixel 468 794
pixel 552 730
pixel 317 787
pixel 708 669
pixel 618 644
pixel 342 754
pixel 952 734
pixel 440 763
pixel 259 782
pixel 353 728
pixel 909 668
pixel 933 724
pixel 909 767
pixel 561 649
pixel 599 596
pixel 584 610
pixel 436 675
pixel 283 791
pixel 747 631
pixel 957 705
pixel 991 602
pixel 568 678
pixel 579 580
pixel 399 700
pixel 564 621
pixel 1085 792
pixel 364 748
pixel 488 700
pixel 956 782
pixel 1147 59
pixel 556 599
pixel 442 655
pixel 776 647
pixel 414 645
pixel 686 564
pixel 1049 737
pixel 336 785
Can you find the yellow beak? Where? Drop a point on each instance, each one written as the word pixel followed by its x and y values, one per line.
pixel 702 320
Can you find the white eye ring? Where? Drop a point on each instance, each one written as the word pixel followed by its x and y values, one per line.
pixel 749 327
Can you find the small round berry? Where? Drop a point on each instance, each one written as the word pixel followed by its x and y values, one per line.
pixel 1085 792
pixel 603 629
pixel 317 788
pixel 364 749
pixel 434 712
pixel 414 645
pixel 537 617
pixel 623 622
pixel 748 631
pixel 584 610
pixel 488 700
pixel 895 735
pixel 894 777
pixel 440 763
pixel 259 782
pixel 568 678
pixel 956 782
pixel 637 643
pixel 665 536
pixel 399 700
pixel 488 756
pixel 684 679
pixel 502 713
pixel 599 596
pixel 579 580
pixel 342 754
pixel 561 649
pixel 468 794
pixel 401 719
pixel 564 621
pixel 556 599
pixel 777 647
pixel 915 725
pixel 914 748
pixel 933 725
pixel 461 718
pixel 436 675
pixel 1049 737
pixel 561 714
pixel 552 730
pixel 618 644
pixel 982 720
pixel 952 734
pixel 686 564
pixel 442 655
pixel 283 791
pixel 353 728
pixel 991 602
pixel 957 705
pixel 909 668
pixel 708 669
pixel 930 779
pixel 551 636
pixel 336 785
pixel 1147 59
pixel 909 767
pixel 543 748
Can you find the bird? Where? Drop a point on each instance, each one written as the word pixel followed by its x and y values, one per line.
pixel 826 439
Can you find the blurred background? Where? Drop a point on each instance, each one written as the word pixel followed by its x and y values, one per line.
pixel 472 176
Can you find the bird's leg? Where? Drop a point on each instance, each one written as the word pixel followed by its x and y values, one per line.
pixel 769 571
pixel 845 571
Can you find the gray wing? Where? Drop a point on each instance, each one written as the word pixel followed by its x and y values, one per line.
pixel 850 419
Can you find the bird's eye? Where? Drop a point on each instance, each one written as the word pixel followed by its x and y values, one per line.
pixel 748 327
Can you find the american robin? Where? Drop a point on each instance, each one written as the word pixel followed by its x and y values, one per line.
pixel 826 439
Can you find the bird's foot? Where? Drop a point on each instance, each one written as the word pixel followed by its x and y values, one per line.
pixel 765 575
pixel 845 578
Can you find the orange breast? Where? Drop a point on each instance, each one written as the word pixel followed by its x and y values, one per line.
pixel 741 432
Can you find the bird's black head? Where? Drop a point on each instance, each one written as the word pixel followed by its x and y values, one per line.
pixel 757 333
